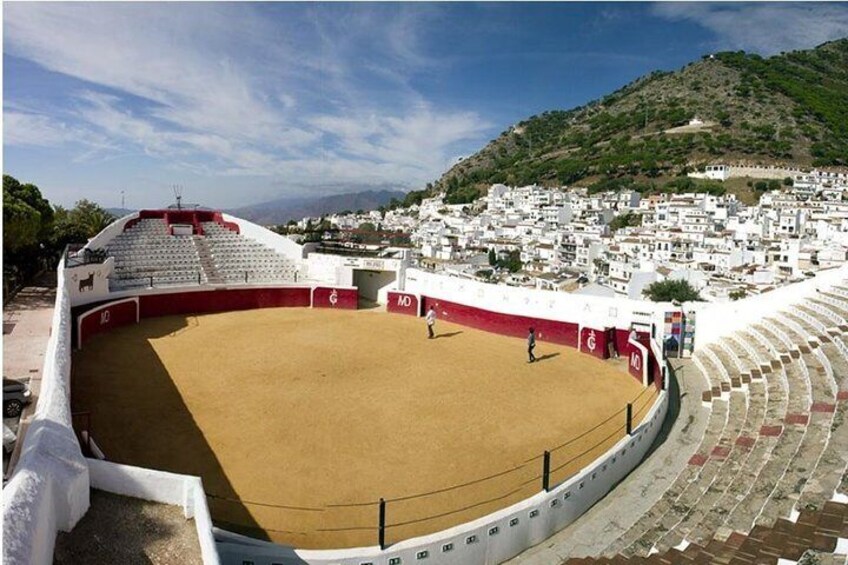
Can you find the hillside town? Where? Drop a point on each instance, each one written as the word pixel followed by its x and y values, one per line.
pixel 617 243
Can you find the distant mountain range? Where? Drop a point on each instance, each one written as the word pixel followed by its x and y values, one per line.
pixel 730 107
pixel 282 210
pixel 119 212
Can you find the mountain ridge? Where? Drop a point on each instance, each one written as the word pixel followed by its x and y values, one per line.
pixel 281 210
pixel 787 109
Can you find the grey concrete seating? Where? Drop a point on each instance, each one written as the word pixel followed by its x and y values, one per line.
pixel 146 253
pixel 814 422
pixel 716 423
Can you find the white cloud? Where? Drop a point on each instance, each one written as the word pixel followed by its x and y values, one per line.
pixel 223 90
pixel 32 129
pixel 764 28
pixel 38 130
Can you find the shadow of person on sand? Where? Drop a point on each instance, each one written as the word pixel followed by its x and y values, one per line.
pixel 546 357
pixel 451 334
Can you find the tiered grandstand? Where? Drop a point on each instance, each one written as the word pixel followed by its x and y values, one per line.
pixel 768 480
pixel 152 252
pixel 236 258
pixel 146 254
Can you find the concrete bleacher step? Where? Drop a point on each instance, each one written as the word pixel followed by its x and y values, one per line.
pixel 813 538
pixel 737 511
pixel 827 474
pixel 816 423
pixel 712 434
pixel 729 457
pixel 210 272
pixel 764 464
pixel 740 469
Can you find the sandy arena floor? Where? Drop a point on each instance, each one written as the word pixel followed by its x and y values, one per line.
pixel 299 420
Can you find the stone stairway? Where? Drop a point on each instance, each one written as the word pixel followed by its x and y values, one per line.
pixel 207 264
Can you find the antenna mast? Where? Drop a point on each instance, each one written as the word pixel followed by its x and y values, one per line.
pixel 178 194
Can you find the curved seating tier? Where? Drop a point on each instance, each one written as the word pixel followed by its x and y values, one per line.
pixel 768 480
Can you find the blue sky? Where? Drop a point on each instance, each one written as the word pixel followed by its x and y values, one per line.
pixel 242 102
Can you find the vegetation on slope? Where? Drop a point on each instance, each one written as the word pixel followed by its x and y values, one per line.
pixel 788 109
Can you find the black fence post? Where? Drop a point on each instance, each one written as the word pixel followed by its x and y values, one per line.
pixel 151 281
pixel 629 418
pixel 546 471
pixel 245 276
pixel 198 277
pixel 382 528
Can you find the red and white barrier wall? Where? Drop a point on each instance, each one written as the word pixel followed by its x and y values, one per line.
pixel 403 303
pixel 92 319
pixel 106 317
pixel 335 297
pixel 597 326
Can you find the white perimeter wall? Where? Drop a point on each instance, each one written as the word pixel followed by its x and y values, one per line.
pixel 49 488
pixel 160 486
pixel 551 511
pixel 716 320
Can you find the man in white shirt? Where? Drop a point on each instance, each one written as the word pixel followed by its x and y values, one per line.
pixel 431 321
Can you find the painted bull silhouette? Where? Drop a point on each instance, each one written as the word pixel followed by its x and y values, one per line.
pixel 87 282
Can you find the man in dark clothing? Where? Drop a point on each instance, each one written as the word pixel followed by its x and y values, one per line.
pixel 531 344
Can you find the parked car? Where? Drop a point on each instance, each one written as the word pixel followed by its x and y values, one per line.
pixel 16 395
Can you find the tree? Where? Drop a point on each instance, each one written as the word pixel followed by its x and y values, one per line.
pixel 90 217
pixel 737 294
pixel 367 226
pixel 493 259
pixel 672 290
pixel 773 184
pixel 512 261
pixel 788 181
pixel 628 219
pixel 21 223
pixel 27 216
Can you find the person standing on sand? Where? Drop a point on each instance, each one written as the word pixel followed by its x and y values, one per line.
pixel 431 321
pixel 531 344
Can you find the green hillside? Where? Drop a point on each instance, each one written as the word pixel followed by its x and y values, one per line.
pixel 787 109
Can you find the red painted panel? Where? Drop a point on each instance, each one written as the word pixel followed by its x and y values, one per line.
pixel 622 340
pixel 193 217
pixel 594 342
pixel 222 300
pixel 563 333
pixel 635 361
pixel 621 343
pixel 106 318
pixel 341 298
pixel 403 303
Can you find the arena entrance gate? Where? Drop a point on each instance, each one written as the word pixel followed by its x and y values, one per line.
pixel 373 277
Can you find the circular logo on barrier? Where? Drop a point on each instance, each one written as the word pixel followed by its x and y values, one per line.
pixel 590 341
pixel 334 297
